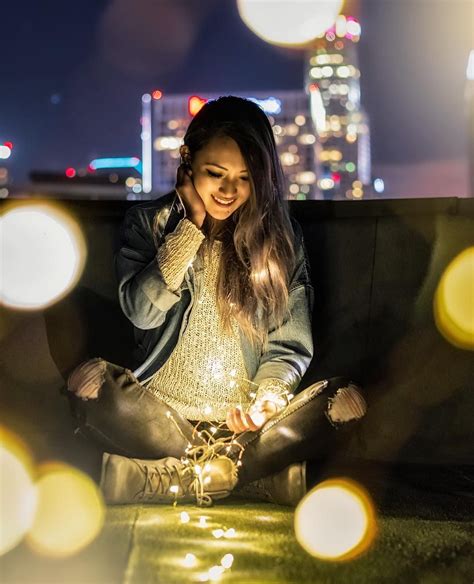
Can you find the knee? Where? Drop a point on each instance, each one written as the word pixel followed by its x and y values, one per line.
pixel 346 404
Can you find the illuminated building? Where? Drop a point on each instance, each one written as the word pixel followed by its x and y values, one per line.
pixel 166 117
pixel 322 132
pixel 342 128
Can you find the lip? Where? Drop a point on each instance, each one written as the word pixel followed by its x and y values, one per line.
pixel 228 202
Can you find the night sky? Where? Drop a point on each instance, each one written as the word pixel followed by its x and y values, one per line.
pixel 72 74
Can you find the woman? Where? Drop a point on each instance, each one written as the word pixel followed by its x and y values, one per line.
pixel 215 278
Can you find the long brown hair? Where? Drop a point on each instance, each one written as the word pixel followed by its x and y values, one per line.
pixel 257 253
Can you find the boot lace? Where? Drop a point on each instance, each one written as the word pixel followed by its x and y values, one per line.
pixel 159 480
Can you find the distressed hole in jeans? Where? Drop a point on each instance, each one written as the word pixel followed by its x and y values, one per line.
pixel 347 404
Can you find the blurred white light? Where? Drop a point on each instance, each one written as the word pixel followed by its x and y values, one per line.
pixel 288 159
pixel 167 143
pixel 42 255
pixel 5 152
pixel 379 185
pixel 289 22
pixel 307 139
pixel 18 499
pixel 353 28
pixel 306 178
pixel 326 184
pixel 190 561
pixel 335 520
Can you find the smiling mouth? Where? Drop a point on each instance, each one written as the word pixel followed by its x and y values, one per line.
pixel 223 202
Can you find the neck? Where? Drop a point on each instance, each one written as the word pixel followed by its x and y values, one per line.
pixel 214 228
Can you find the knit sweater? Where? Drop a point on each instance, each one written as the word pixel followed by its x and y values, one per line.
pixel 205 376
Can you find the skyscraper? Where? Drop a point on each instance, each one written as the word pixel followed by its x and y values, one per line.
pixel 332 81
pixel 166 117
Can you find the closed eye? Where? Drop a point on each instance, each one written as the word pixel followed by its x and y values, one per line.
pixel 214 175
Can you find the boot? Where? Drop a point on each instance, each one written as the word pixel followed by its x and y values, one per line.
pixel 132 480
pixel 287 487
pixel 302 431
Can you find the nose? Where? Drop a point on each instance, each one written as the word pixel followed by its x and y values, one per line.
pixel 227 187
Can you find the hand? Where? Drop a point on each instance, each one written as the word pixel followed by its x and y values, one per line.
pixel 194 205
pixel 239 421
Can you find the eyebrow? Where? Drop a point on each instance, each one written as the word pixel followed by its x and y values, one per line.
pixel 223 167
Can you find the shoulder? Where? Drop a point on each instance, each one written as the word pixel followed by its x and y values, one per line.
pixel 157 213
pixel 150 208
pixel 297 233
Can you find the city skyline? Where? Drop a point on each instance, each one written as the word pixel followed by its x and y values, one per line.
pixel 75 95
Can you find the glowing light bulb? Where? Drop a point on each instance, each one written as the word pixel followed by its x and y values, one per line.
pixel 190 561
pixel 218 533
pixel 230 533
pixel 453 306
pixel 335 520
pixel 19 498
pixel 216 572
pixel 43 255
pixel 65 490
pixel 294 22
pixel 227 561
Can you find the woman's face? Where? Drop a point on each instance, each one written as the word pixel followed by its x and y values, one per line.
pixel 221 177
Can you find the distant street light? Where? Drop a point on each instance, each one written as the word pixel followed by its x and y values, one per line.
pixel 289 22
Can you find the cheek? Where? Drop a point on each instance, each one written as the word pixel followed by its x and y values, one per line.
pixel 203 184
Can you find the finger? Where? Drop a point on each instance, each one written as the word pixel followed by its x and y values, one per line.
pixel 229 421
pixel 251 424
pixel 88 392
pixel 241 420
pixel 237 421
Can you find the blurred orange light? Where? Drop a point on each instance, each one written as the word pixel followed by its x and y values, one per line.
pixel 157 94
pixel 195 103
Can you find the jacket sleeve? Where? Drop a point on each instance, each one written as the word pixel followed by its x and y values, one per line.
pixel 290 346
pixel 144 295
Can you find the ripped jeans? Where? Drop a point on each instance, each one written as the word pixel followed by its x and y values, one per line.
pixel 129 420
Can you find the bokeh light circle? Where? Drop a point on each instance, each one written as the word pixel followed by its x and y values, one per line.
pixel 289 22
pixel 70 512
pixel 453 304
pixel 42 255
pixel 18 494
pixel 335 520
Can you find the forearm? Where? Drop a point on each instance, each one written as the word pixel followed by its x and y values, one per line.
pixel 144 294
pixel 178 251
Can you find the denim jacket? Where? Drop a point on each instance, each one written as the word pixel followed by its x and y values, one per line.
pixel 160 315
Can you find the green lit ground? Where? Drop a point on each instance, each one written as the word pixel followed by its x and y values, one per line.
pixel 424 536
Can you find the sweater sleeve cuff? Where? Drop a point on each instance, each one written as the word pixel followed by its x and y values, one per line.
pixel 178 251
pixel 274 390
